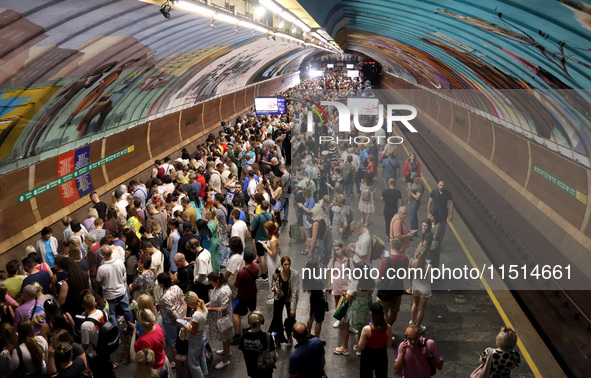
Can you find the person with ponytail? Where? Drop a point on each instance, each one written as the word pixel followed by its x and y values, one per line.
pixel 373 344
pixel 144 360
pixel 195 327
pixel 29 356
pixel 68 367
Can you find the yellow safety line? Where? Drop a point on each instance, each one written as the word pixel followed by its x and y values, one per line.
pixel 492 296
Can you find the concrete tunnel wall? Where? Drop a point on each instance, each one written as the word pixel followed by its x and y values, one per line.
pixel 20 223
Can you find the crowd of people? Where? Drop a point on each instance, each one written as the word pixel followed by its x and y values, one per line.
pixel 170 268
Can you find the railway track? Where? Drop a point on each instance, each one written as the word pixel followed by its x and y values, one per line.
pixel 561 317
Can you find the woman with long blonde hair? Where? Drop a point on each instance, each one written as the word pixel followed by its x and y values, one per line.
pixel 421 286
pixel 195 327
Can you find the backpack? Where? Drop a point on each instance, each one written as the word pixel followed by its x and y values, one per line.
pixel 266 360
pixel 377 247
pixel 347 173
pixel 108 336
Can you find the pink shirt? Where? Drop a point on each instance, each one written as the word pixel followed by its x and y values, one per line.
pixel 415 364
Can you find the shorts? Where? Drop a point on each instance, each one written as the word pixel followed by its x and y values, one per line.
pixel 421 289
pixel 392 306
pixel 317 311
pixel 242 307
pixel 260 249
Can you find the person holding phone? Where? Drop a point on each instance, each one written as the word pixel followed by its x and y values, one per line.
pixel 399 228
pixel 417 355
pixel 195 327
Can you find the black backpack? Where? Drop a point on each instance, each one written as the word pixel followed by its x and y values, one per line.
pixel 108 336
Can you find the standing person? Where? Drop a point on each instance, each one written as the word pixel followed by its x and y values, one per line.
pixel 339 285
pixel 362 248
pixel 285 289
pixel 246 298
pixel 144 282
pixel 392 201
pixel 319 233
pixel 152 338
pixel 171 307
pixel 399 228
pixel 14 282
pixel 411 166
pixel 504 357
pixel 390 290
pixel 195 327
pixel 143 365
pixel 441 203
pixel 274 250
pixel 235 263
pixel 348 176
pixel 357 315
pixel 415 193
pixel 435 249
pixel 214 248
pixel 390 168
pixel 100 364
pixel 286 180
pixel 221 214
pixel 184 276
pixel 29 356
pixel 173 241
pixel 374 340
pixel 257 228
pixel 307 361
pixel 47 246
pixel 220 307
pixel 239 227
pixel 253 342
pixel 202 268
pixel 318 303
pixel 416 355
pixel 113 278
pixel 99 205
pixel 367 198
pixel 421 286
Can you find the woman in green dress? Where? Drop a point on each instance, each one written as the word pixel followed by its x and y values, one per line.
pixel 212 224
pixel 358 314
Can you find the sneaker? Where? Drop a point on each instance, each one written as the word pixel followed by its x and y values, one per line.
pixel 269 301
pixel 235 341
pixel 263 278
pixel 422 328
pixel 353 330
pixel 410 322
pixel 336 324
pixel 221 364
pixel 220 352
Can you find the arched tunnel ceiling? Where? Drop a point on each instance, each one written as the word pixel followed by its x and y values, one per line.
pixel 71 71
pixel 540 46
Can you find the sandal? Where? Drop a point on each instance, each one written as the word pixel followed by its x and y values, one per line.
pixel 340 352
pixel 304 253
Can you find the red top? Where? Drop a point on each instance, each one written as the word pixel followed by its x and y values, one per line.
pixel 201 180
pixel 153 340
pixel 377 339
pixel 246 282
pixel 407 168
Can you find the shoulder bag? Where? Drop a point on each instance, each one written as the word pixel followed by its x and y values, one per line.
pixel 483 370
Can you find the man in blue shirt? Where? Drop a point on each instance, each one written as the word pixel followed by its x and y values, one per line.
pixel 390 168
pixel 308 358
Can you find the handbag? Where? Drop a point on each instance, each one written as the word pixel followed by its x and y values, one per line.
pixel 342 308
pixel 366 195
pixel 483 370
pixel 224 323
pixel 267 358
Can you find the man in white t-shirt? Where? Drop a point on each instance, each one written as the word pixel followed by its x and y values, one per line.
pixel 362 248
pixel 157 266
pixel 101 366
pixel 239 228
pixel 113 278
pixel 202 268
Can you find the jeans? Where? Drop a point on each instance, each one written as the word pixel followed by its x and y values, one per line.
pixel 123 303
pixel 414 217
pixel 171 331
pixel 285 206
pixel 348 192
pixel 197 361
